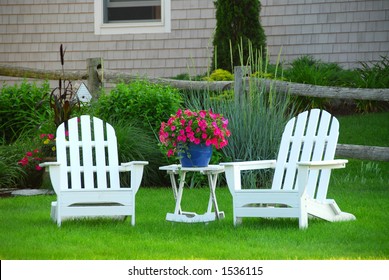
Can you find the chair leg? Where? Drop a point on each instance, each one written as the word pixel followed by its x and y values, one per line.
pixel 303 219
pixel 133 220
pixel 237 221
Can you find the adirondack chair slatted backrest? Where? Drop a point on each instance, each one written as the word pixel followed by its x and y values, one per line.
pixel 88 148
pixel 311 136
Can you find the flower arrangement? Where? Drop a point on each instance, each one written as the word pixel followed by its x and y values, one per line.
pixel 198 127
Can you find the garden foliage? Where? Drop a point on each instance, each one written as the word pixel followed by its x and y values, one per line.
pixel 22 109
pixel 137 109
pixel 140 102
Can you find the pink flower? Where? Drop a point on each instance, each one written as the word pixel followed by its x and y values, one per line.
pixel 38 168
pixel 170 153
pixel 23 161
pixel 29 154
pixel 202 114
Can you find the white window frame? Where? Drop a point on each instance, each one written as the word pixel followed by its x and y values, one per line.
pixel 101 28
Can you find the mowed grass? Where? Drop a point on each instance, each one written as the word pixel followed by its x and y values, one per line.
pixel 362 188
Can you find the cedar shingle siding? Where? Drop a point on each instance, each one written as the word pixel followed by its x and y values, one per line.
pixel 343 31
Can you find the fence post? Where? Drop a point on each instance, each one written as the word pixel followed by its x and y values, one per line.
pixel 240 72
pixel 94 83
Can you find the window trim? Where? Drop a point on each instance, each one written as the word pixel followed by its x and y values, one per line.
pixel 140 27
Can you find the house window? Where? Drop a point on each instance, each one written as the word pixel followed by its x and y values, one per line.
pixel 132 16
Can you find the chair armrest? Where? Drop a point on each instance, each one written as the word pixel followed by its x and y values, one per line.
pixel 127 166
pixel 55 175
pixel 306 166
pixel 136 168
pixel 323 164
pixel 233 170
pixel 49 163
pixel 250 165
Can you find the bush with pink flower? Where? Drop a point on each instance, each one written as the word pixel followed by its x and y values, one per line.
pixel 31 160
pixel 48 148
pixel 197 127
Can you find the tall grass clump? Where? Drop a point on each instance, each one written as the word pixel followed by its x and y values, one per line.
pixel 256 121
pixel 136 143
pixel 10 172
pixel 375 75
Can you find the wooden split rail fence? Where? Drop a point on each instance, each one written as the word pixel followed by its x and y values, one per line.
pixel 96 76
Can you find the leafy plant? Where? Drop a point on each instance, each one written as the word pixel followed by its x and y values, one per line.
pixel 22 109
pixel 144 103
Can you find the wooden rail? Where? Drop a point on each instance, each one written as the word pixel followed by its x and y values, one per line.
pixel 96 75
pixel 96 80
pixel 363 152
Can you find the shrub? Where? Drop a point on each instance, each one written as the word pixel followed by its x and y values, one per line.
pixel 373 76
pixel 22 108
pixel 146 103
pixel 307 70
pixel 220 75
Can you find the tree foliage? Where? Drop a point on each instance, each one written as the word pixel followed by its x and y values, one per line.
pixel 238 25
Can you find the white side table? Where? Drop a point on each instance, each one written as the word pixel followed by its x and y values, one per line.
pixel 212 172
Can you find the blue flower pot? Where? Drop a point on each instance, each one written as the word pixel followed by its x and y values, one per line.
pixel 195 155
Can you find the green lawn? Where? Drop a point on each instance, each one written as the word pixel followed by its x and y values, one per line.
pixel 365 129
pixel 362 188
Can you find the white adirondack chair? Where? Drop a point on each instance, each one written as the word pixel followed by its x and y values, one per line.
pixel 85 176
pixel 301 175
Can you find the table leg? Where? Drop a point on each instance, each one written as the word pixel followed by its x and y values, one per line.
pixel 174 187
pixel 178 196
pixel 212 180
pixel 192 217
